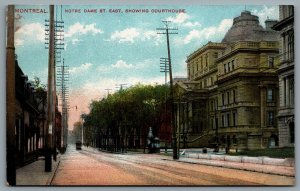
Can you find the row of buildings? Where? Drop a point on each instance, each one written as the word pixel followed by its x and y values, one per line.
pixel 30 120
pixel 240 92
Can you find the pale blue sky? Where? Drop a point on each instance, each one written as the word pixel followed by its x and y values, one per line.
pixel 105 49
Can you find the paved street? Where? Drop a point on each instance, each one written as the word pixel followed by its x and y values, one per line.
pixel 91 167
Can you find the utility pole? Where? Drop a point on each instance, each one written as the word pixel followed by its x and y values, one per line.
pixel 120 86
pixel 58 46
pixel 82 131
pixel 216 149
pixel 63 78
pixel 107 89
pixel 56 39
pixel 167 32
pixel 164 67
pixel 10 98
pixel 50 91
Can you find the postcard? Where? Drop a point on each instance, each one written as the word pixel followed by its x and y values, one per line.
pixel 150 95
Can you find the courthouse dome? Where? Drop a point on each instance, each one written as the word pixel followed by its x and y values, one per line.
pixel 246 27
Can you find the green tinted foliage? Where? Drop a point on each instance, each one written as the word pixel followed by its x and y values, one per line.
pixel 134 107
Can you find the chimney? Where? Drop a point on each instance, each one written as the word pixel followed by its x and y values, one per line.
pixel 269 23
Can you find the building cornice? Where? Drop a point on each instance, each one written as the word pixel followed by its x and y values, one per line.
pixel 283 23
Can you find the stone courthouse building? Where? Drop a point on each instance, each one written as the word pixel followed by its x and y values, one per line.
pixel 231 95
pixel 285 71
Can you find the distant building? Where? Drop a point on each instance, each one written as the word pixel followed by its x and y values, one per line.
pixel 286 113
pixel 179 79
pixel 231 95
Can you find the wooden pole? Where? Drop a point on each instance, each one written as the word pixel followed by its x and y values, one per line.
pixel 10 98
pixel 50 103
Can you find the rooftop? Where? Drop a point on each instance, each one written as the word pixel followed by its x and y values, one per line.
pixel 246 27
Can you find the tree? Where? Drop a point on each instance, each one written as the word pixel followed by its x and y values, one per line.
pixel 123 119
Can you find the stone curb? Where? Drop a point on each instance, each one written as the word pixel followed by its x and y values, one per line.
pixel 289 162
pixel 268 170
pixel 49 181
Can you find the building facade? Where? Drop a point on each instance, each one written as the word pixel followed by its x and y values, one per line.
pixel 231 96
pixel 30 120
pixel 27 129
pixel 285 71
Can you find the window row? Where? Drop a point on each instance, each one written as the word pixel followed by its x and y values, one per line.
pixel 229 119
pixel 228 67
pixel 229 97
pixel 207 82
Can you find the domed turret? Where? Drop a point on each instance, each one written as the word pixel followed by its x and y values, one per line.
pixel 247 28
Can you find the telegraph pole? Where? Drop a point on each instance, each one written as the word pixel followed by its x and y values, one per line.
pixel 10 98
pixel 63 78
pixel 120 86
pixel 107 89
pixel 167 32
pixel 164 68
pixel 50 91
pixel 57 40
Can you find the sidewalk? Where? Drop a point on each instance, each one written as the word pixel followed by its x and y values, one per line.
pixel 34 174
pixel 263 168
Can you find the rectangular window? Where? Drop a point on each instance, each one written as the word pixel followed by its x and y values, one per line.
pixel 270 117
pixel 290 47
pixel 284 92
pixel 228 97
pixel 225 71
pixel 233 95
pixel 228 119
pixel 269 95
pixel 216 54
pixel 223 121
pixel 271 62
pixel 201 62
pixel 234 140
pixel 223 99
pixel 229 67
pixel 234 119
pixel 232 64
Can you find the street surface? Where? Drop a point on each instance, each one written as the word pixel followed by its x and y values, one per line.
pixel 91 167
